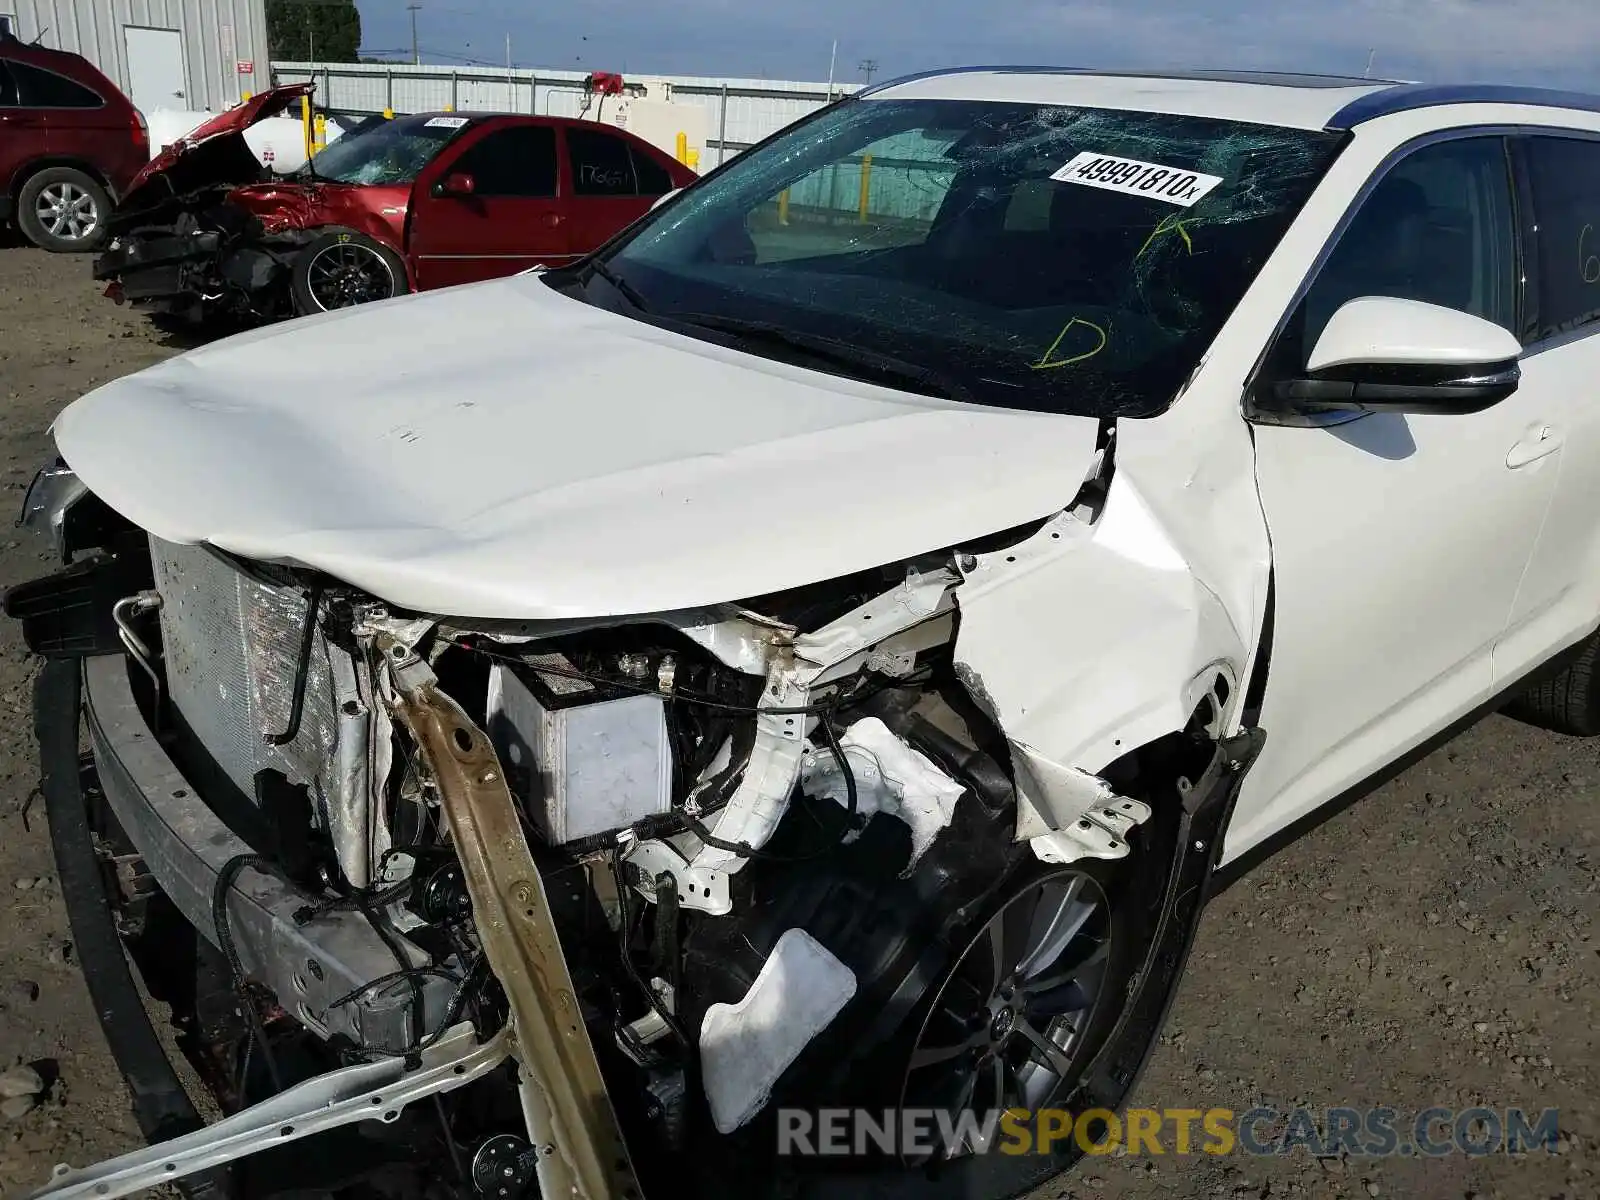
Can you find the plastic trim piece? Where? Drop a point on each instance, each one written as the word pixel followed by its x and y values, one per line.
pixel 160 1104
pixel 369 1091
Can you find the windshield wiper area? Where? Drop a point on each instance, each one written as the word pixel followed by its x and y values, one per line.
pixel 871 366
pixel 627 290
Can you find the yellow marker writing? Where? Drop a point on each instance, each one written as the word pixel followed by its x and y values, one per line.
pixel 1168 224
pixel 1047 363
pixel 1588 264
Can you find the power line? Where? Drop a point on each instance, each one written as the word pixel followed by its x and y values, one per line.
pixel 869 68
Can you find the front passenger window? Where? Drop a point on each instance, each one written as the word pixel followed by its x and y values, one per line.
pixel 515 162
pixel 1438 227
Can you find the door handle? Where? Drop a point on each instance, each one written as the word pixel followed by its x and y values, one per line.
pixel 1538 442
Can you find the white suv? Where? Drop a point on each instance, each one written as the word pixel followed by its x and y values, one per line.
pixel 821 650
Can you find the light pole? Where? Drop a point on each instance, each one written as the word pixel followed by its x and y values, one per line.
pixel 869 68
pixel 416 57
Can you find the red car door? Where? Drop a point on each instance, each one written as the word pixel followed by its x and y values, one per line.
pixel 489 206
pixel 615 180
pixel 22 134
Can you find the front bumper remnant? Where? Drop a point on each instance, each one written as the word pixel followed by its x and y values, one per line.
pixel 160 1105
pixel 185 844
pixel 371 1091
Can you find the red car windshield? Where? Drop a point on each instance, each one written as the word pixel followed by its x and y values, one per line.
pixel 390 152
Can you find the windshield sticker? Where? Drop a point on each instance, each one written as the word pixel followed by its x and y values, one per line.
pixel 445 123
pixel 1174 185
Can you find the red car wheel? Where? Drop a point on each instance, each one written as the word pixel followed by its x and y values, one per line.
pixel 343 268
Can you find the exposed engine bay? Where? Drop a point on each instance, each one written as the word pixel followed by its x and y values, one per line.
pixel 615 893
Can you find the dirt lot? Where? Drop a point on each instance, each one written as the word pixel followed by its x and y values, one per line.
pixel 1434 945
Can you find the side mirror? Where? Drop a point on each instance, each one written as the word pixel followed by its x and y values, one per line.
pixel 1385 354
pixel 457 183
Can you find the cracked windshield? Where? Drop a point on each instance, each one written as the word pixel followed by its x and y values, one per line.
pixel 391 152
pixel 1035 257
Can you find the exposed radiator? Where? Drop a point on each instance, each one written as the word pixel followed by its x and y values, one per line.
pixel 232 646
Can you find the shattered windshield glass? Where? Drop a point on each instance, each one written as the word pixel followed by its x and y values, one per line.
pixel 391 152
pixel 1071 260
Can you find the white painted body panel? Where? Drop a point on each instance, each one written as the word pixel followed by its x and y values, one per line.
pixel 1400 544
pixel 500 450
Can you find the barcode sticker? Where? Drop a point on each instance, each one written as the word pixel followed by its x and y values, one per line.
pixel 445 122
pixel 1174 185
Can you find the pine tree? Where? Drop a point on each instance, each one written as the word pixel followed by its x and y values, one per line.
pixel 326 30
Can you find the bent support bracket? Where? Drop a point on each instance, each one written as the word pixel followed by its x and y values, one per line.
pixel 373 1091
pixel 564 1099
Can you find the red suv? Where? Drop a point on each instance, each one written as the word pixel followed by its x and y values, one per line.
pixel 70 143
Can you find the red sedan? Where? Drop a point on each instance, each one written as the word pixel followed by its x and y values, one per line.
pixel 395 206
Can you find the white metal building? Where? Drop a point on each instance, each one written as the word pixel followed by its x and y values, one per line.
pixel 165 54
pixel 729 114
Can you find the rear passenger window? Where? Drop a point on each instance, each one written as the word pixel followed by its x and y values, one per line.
pixel 652 176
pixel 38 88
pixel 601 164
pixel 1438 227
pixel 1566 202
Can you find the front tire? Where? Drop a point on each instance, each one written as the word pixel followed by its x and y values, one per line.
pixel 1064 942
pixel 343 268
pixel 63 210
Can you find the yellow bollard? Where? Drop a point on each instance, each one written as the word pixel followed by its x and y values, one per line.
pixel 866 188
pixel 783 207
pixel 693 160
pixel 305 121
pixel 246 98
pixel 683 147
pixel 388 114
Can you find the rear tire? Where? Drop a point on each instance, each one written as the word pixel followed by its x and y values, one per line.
pixel 343 268
pixel 1566 703
pixel 63 210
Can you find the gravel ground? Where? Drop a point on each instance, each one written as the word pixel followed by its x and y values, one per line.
pixel 1433 945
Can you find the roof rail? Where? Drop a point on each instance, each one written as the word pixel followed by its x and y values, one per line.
pixel 1308 79
pixel 1412 96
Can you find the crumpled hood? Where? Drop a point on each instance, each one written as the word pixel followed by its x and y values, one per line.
pixel 211 148
pixel 502 450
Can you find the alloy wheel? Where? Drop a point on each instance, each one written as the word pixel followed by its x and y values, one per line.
pixel 68 212
pixel 347 274
pixel 1008 1025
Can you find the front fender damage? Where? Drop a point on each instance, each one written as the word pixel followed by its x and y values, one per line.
pixel 1141 648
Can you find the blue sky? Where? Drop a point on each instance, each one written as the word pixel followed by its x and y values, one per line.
pixel 1553 42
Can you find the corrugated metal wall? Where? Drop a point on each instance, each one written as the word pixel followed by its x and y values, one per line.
pixel 752 108
pixel 218 35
